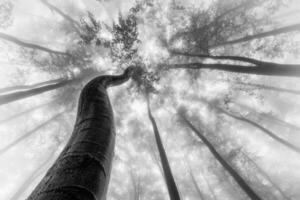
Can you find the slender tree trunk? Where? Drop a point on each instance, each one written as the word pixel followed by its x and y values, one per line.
pixel 73 22
pixel 232 58
pixel 35 174
pixel 200 194
pixel 266 176
pixel 27 87
pixel 267 87
pixel 26 111
pixel 287 29
pixel 239 180
pixel 264 130
pixel 269 70
pixel 26 135
pixel 171 185
pixel 270 117
pixel 8 98
pixel 83 168
pixel 30 45
pixel 209 187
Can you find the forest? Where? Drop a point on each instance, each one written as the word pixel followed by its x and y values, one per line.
pixel 150 100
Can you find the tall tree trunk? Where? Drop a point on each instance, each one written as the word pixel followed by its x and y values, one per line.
pixel 267 87
pixel 35 174
pixel 200 194
pixel 287 29
pixel 8 98
pixel 269 117
pixel 83 168
pixel 136 185
pixel 266 176
pixel 264 130
pixel 73 22
pixel 232 58
pixel 27 87
pixel 209 187
pixel 239 180
pixel 27 111
pixel 30 45
pixel 29 133
pixel 264 69
pixel 171 185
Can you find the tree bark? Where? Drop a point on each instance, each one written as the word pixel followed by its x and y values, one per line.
pixel 73 22
pixel 26 135
pixel 269 70
pixel 170 181
pixel 287 29
pixel 30 45
pixel 239 180
pixel 8 98
pixel 83 168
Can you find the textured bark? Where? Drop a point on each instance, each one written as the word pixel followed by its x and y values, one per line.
pixel 287 29
pixel 30 45
pixel 35 174
pixel 27 87
pixel 170 181
pixel 82 170
pixel 73 22
pixel 266 176
pixel 263 69
pixel 239 180
pixel 8 98
pixel 26 135
pixel 264 130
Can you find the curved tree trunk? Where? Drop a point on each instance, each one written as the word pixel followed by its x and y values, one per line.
pixel 287 29
pixel 262 69
pixel 171 185
pixel 239 180
pixel 83 168
pixel 30 45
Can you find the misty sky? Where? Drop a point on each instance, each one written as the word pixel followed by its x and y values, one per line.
pixel 136 159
